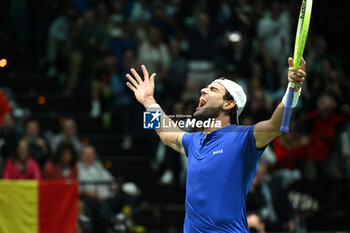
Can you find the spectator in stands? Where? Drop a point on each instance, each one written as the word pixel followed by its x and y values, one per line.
pixel 122 101
pixel 318 53
pixel 99 192
pixel 342 149
pixel 268 198
pixel 121 31
pixel 58 40
pixel 255 223
pixel 9 136
pixel 320 128
pixel 331 81
pixel 21 165
pixel 100 86
pixel 68 135
pixel 161 20
pixel 39 149
pixel 289 152
pixel 63 165
pixel 99 182
pixel 140 12
pixel 177 74
pixel 96 184
pixel 201 38
pixel 153 53
pixel 274 40
pixel 109 93
pixel 89 45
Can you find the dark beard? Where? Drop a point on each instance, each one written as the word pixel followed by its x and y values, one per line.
pixel 207 113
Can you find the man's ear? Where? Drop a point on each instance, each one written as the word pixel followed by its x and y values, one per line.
pixel 229 105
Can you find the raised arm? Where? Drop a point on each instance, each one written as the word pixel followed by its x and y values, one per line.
pixel 144 93
pixel 266 131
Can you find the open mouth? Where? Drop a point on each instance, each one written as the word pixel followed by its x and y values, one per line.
pixel 202 103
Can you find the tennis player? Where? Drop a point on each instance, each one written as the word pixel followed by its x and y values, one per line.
pixel 222 161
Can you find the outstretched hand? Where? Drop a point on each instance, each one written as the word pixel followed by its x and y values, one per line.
pixel 143 89
pixel 296 75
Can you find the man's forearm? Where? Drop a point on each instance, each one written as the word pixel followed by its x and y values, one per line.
pixel 170 135
pixel 276 119
pixel 266 131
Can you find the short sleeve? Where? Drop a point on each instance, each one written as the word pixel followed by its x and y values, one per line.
pixel 251 152
pixel 186 138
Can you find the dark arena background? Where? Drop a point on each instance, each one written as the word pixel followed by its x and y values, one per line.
pixel 64 106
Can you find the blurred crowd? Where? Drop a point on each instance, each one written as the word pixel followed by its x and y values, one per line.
pixel 30 155
pixel 90 45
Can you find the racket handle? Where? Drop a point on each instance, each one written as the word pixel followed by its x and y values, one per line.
pixel 287 111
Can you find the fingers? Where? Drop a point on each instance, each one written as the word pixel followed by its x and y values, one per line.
pixel 152 78
pixel 296 72
pixel 128 76
pixel 145 72
pixel 131 86
pixel 137 76
pixel 296 76
pixel 303 63
pixel 298 81
pixel 290 62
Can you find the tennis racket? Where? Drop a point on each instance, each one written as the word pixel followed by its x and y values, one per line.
pixel 300 41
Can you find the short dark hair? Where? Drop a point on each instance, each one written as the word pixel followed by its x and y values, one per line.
pixel 233 111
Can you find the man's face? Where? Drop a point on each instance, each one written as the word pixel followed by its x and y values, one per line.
pixel 88 156
pixel 210 102
pixel 7 120
pixel 69 128
pixel 23 150
pixel 32 128
pixel 66 157
pixel 326 107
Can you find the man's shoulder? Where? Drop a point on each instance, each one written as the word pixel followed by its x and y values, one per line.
pixel 193 134
pixel 244 128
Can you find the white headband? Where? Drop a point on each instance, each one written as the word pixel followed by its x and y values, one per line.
pixel 236 91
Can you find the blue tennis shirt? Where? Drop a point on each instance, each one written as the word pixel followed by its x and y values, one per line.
pixel 221 168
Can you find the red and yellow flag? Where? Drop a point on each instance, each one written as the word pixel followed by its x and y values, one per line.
pixel 29 206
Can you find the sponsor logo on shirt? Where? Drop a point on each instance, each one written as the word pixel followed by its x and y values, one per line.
pixel 218 152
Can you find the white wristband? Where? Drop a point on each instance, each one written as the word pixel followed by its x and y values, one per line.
pixel 295 97
pixel 153 107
